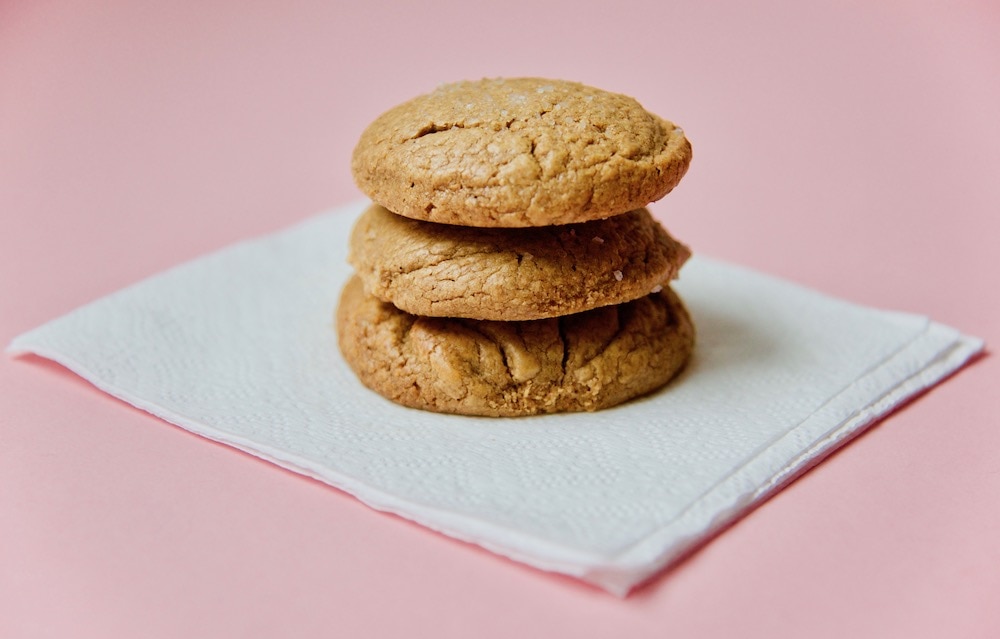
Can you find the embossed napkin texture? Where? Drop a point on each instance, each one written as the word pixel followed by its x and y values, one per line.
pixel 239 346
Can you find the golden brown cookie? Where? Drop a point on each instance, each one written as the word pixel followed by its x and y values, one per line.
pixel 518 152
pixel 518 274
pixel 586 361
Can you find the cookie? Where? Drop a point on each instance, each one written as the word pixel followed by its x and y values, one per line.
pixel 518 152
pixel 518 274
pixel 582 362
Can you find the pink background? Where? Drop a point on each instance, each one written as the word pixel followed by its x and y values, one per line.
pixel 850 146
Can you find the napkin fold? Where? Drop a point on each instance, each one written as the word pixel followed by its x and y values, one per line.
pixel 239 346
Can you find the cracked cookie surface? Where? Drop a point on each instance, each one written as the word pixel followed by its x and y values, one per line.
pixel 582 362
pixel 511 273
pixel 518 152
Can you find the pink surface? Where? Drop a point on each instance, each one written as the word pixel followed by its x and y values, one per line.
pixel 849 146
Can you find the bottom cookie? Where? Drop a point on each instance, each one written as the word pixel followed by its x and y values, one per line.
pixel 582 362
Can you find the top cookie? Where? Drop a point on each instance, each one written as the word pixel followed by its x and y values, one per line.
pixel 518 152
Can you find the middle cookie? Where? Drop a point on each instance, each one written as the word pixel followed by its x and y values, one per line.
pixel 440 270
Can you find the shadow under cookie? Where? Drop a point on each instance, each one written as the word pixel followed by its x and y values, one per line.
pixel 581 362
pixel 442 270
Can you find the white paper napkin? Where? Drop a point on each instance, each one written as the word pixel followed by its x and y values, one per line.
pixel 239 347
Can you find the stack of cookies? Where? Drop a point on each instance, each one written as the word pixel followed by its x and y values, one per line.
pixel 507 266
